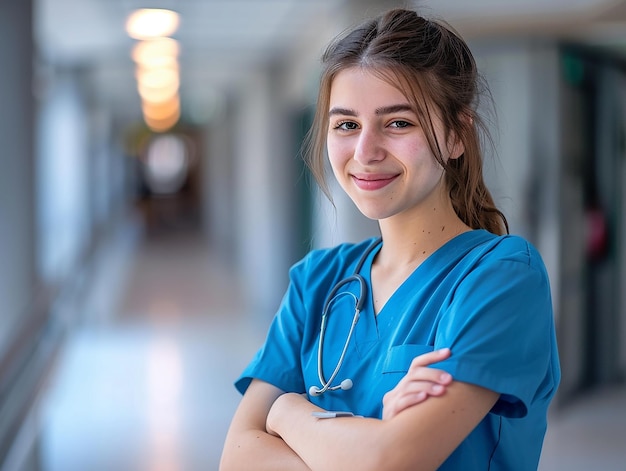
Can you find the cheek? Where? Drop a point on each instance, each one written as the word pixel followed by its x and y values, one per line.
pixel 421 155
pixel 339 151
pixel 336 166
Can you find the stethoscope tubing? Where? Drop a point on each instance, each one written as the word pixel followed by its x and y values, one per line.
pixel 330 299
pixel 326 385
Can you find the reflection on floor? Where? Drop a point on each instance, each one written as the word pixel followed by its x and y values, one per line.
pixel 589 434
pixel 145 380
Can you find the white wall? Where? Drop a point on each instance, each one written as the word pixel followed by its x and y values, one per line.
pixel 507 68
pixel 218 176
pixel 523 175
pixel 62 179
pixel 261 176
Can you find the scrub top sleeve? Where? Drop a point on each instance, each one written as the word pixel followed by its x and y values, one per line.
pixel 500 329
pixel 278 361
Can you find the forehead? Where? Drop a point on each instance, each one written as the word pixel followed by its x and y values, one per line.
pixel 364 88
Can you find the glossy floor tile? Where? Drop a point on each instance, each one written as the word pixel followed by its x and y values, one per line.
pixel 588 434
pixel 144 382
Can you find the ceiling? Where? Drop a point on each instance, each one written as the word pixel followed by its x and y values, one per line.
pixel 221 39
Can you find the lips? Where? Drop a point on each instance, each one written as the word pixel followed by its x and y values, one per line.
pixel 371 182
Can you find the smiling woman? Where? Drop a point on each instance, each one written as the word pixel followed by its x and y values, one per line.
pixel 375 142
pixel 450 361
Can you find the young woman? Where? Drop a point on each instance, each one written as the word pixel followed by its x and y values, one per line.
pixel 449 360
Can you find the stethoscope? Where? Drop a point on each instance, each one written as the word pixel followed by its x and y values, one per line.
pixel 330 299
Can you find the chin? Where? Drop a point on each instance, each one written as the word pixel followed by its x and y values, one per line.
pixel 375 214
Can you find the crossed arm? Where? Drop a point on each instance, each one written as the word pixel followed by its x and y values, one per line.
pixel 272 430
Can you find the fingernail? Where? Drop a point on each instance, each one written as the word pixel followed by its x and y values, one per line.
pixel 445 377
pixel 437 388
pixel 444 350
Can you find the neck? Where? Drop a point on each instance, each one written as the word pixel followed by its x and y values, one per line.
pixel 409 241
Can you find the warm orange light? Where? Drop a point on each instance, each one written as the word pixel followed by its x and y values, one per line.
pixel 157 95
pixel 163 124
pixel 148 23
pixel 158 78
pixel 157 71
pixel 161 111
pixel 155 50
pixel 155 62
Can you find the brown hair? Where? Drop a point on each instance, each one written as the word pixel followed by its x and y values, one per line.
pixel 434 68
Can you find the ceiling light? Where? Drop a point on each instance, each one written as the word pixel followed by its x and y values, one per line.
pixel 162 125
pixel 155 49
pixel 157 78
pixel 157 95
pixel 161 111
pixel 158 62
pixel 151 23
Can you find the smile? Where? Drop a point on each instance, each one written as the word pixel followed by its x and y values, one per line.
pixel 373 182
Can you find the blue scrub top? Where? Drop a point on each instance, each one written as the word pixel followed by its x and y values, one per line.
pixel 486 297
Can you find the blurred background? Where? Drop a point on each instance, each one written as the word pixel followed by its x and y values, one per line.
pixel 152 199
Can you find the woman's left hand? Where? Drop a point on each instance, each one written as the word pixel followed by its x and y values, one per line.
pixel 418 384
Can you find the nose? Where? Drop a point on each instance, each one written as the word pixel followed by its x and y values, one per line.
pixel 369 147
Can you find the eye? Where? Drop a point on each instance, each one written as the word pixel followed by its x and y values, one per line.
pixel 346 125
pixel 400 124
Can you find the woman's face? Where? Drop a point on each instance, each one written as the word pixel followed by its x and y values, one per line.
pixel 377 150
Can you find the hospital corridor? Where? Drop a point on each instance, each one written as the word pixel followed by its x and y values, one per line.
pixel 144 382
pixel 153 198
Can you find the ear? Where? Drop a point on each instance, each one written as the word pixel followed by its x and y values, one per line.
pixel 456 148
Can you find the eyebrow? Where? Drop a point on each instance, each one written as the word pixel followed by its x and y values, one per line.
pixel 379 111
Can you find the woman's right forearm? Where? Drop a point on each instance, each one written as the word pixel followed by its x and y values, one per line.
pixel 259 451
pixel 248 446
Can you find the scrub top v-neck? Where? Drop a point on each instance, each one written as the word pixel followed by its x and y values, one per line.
pixel 485 297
